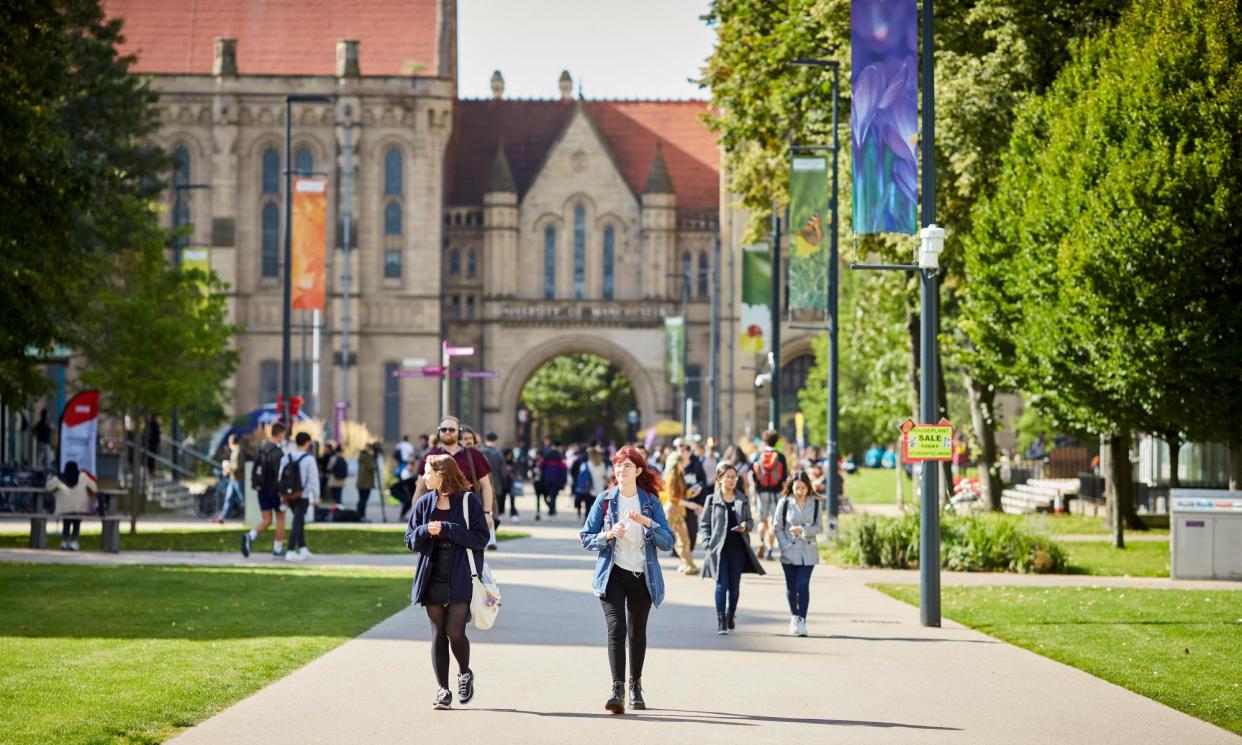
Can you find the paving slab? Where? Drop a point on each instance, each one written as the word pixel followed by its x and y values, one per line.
pixel 869 673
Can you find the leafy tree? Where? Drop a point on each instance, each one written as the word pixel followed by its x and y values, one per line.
pixel 1105 272
pixel 154 337
pixel 75 175
pixel 575 394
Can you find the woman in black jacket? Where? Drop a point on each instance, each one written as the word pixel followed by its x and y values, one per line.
pixel 441 534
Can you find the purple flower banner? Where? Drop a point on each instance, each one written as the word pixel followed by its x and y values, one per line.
pixel 884 116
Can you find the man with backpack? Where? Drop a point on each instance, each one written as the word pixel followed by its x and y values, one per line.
pixel 299 488
pixel 768 473
pixel 265 478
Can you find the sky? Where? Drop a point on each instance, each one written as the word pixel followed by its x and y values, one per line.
pixel 614 48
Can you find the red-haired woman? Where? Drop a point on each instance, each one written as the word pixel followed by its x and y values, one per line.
pixel 627 527
pixel 441 535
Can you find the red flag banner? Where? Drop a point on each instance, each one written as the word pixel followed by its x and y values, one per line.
pixel 310 241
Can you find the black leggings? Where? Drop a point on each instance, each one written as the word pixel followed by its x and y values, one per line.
pixel 297 535
pixel 626 590
pixel 448 627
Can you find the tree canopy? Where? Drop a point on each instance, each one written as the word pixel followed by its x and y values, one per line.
pixel 574 394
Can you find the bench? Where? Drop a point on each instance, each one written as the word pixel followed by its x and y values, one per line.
pixel 110 530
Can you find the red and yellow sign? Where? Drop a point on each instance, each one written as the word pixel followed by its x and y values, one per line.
pixel 922 442
pixel 310 242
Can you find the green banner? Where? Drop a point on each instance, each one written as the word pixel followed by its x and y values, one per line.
pixel 809 223
pixel 755 333
pixel 674 344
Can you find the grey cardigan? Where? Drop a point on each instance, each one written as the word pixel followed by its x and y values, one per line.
pixel 802 551
pixel 714 528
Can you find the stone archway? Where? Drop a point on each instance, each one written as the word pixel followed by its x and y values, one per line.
pixel 515 377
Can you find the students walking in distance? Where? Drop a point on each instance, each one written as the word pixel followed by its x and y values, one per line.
pixel 727 523
pixel 74 489
pixel 228 491
pixel 797 529
pixel 676 505
pixel 592 479
pixel 626 527
pixel 767 479
pixel 367 470
pixel 440 533
pixel 499 476
pixel 469 460
pixel 265 479
pixel 299 489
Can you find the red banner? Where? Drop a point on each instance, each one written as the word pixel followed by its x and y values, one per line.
pixel 310 241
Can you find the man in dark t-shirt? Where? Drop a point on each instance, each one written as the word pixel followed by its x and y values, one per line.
pixel 473 466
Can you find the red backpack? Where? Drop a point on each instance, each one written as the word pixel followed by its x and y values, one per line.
pixel 769 472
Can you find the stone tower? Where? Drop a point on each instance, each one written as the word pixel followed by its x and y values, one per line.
pixel 500 229
pixel 659 227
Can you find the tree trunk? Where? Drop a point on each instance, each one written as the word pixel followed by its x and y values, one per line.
pixel 138 475
pixel 912 327
pixel 982 406
pixel 1175 446
pixel 1118 488
pixel 946 466
pixel 1235 465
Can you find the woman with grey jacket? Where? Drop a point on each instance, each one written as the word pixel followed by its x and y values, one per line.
pixel 797 525
pixel 725 531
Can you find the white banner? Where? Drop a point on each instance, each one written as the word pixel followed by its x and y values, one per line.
pixel 79 430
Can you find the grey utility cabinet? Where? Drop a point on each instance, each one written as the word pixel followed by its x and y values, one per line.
pixel 1206 533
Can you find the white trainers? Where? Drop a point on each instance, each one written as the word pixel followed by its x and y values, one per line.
pixel 293 556
pixel 793 626
pixel 801 626
pixel 305 552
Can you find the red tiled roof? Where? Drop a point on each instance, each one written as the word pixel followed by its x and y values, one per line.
pixel 278 37
pixel 630 129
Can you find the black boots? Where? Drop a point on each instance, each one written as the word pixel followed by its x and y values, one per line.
pixel 729 621
pixel 636 694
pixel 616 702
pixel 722 626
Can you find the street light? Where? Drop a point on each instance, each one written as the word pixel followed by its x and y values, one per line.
pixel 834 405
pixel 285 331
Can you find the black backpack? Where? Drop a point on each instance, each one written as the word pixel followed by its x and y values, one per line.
pixel 266 470
pixel 291 477
pixel 340 469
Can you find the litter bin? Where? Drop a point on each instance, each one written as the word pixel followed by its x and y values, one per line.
pixel 1206 534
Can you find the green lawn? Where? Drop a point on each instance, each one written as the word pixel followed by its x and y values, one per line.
pixel 132 654
pixel 1179 647
pixel 1137 559
pixel 876 486
pixel 1078 525
pixel 386 539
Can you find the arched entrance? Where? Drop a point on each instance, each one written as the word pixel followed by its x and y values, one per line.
pixel 577 398
pixel 515 378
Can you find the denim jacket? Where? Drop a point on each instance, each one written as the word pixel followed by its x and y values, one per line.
pixel 658 537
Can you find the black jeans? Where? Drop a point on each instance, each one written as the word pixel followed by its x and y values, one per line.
pixel 363 496
pixel 448 628
pixel 626 591
pixel 70 529
pixel 297 535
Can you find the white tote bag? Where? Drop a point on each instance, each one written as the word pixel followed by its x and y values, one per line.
pixel 485 599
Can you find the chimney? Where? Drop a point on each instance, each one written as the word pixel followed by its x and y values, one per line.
pixel 224 61
pixel 347 58
pixel 498 86
pixel 567 86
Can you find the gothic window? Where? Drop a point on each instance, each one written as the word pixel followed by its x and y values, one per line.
pixel 454 263
pixel 685 272
pixel 549 262
pixel 470 306
pixel 702 276
pixel 392 403
pixel 392 218
pixel 455 306
pixel 181 167
pixel 610 255
pixel 269 381
pixel 472 264
pixel 392 263
pixel 579 251
pixel 270 253
pixel 271 171
pixel 303 161
pixel 180 180
pixel 393 167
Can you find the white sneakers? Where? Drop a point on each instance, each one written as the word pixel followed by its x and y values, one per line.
pixel 293 556
pixel 305 552
pixel 797 626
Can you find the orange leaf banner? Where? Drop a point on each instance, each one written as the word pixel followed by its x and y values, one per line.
pixel 310 242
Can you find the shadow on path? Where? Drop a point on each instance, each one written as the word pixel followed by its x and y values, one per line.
pixel 717 717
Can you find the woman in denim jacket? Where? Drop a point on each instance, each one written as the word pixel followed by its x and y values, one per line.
pixel 627 527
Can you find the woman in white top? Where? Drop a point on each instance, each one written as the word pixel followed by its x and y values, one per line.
pixel 797 525
pixel 75 489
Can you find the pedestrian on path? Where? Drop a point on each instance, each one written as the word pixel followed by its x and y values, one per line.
pixel 676 505
pixel 797 527
pixel 265 479
pixel 299 479
pixel 767 480
pixel 626 526
pixel 368 461
pixel 228 491
pixel 439 534
pixel 469 461
pixel 727 523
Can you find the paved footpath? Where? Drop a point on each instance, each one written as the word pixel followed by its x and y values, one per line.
pixel 868 674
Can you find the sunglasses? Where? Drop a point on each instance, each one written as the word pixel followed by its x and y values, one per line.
pixel 448 429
